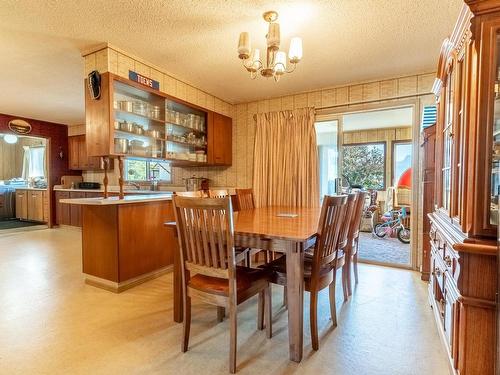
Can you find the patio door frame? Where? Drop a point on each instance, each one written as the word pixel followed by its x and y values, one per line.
pixel 337 113
pixel 339 119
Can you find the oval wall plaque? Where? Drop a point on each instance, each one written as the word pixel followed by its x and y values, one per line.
pixel 20 126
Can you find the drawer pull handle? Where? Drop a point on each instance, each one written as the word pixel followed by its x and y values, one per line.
pixel 448 261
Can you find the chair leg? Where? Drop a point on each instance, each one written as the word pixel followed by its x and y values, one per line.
pixel 344 282
pixel 347 266
pixel 355 264
pixel 221 312
pixel 313 318
pixel 232 338
pixel 333 307
pixel 285 298
pixel 186 323
pixel 260 311
pixel 268 307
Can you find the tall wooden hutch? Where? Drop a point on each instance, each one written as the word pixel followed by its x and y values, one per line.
pixel 463 235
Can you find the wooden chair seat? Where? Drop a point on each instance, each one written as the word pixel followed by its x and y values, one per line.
pixel 278 269
pixel 247 279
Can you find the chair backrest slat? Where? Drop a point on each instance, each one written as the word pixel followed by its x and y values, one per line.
pixel 329 226
pixel 221 193
pixel 193 194
pixel 245 199
pixel 206 234
pixel 346 223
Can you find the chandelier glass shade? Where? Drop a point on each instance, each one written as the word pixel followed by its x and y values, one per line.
pixel 276 62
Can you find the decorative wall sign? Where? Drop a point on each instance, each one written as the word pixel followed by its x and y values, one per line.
pixel 136 77
pixel 20 126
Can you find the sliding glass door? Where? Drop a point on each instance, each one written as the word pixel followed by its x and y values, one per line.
pixel 327 136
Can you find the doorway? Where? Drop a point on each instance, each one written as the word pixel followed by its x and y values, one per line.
pixel 373 151
pixel 24 198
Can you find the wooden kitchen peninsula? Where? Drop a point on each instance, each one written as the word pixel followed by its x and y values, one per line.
pixel 124 242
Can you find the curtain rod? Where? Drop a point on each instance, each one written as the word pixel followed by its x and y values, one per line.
pixel 255 114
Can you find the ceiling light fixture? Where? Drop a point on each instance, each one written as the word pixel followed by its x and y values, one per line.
pixel 276 60
pixel 10 138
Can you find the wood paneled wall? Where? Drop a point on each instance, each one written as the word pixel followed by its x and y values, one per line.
pixel 12 155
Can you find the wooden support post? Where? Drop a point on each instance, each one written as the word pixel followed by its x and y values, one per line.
pixel 105 180
pixel 120 179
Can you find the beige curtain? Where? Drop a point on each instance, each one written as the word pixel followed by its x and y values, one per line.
pixel 286 159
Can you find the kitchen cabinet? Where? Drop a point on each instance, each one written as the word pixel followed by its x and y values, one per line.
pixel 464 217
pixel 46 206
pixel 35 205
pixel 22 204
pixel 62 210
pixel 78 157
pixel 220 140
pixel 132 120
pixel 75 211
pixel 74 152
pixel 32 205
pixel 67 214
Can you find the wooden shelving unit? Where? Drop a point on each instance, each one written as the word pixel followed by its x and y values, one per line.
pixel 123 100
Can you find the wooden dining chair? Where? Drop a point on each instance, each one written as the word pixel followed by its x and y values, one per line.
pixel 245 199
pixel 353 241
pixel 322 262
pixel 221 193
pixel 208 266
pixel 343 243
pixel 192 194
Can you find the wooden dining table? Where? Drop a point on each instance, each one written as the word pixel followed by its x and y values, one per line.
pixel 287 230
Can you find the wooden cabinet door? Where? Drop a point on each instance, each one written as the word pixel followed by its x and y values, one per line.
pixel 46 206
pixel 220 140
pixel 35 205
pixel 83 159
pixel 74 152
pixel 94 163
pixel 76 210
pixel 62 209
pixel 21 204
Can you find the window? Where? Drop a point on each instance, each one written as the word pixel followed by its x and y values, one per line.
pixel 145 170
pixel 37 162
pixel 327 141
pixel 401 159
pixel 33 162
pixel 364 165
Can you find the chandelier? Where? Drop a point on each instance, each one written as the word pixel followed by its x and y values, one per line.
pixel 276 61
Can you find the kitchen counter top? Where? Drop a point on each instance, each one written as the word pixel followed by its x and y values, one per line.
pixel 114 191
pixel 128 199
pixel 28 188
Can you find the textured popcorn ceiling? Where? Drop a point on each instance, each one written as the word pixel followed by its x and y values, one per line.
pixel 345 41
